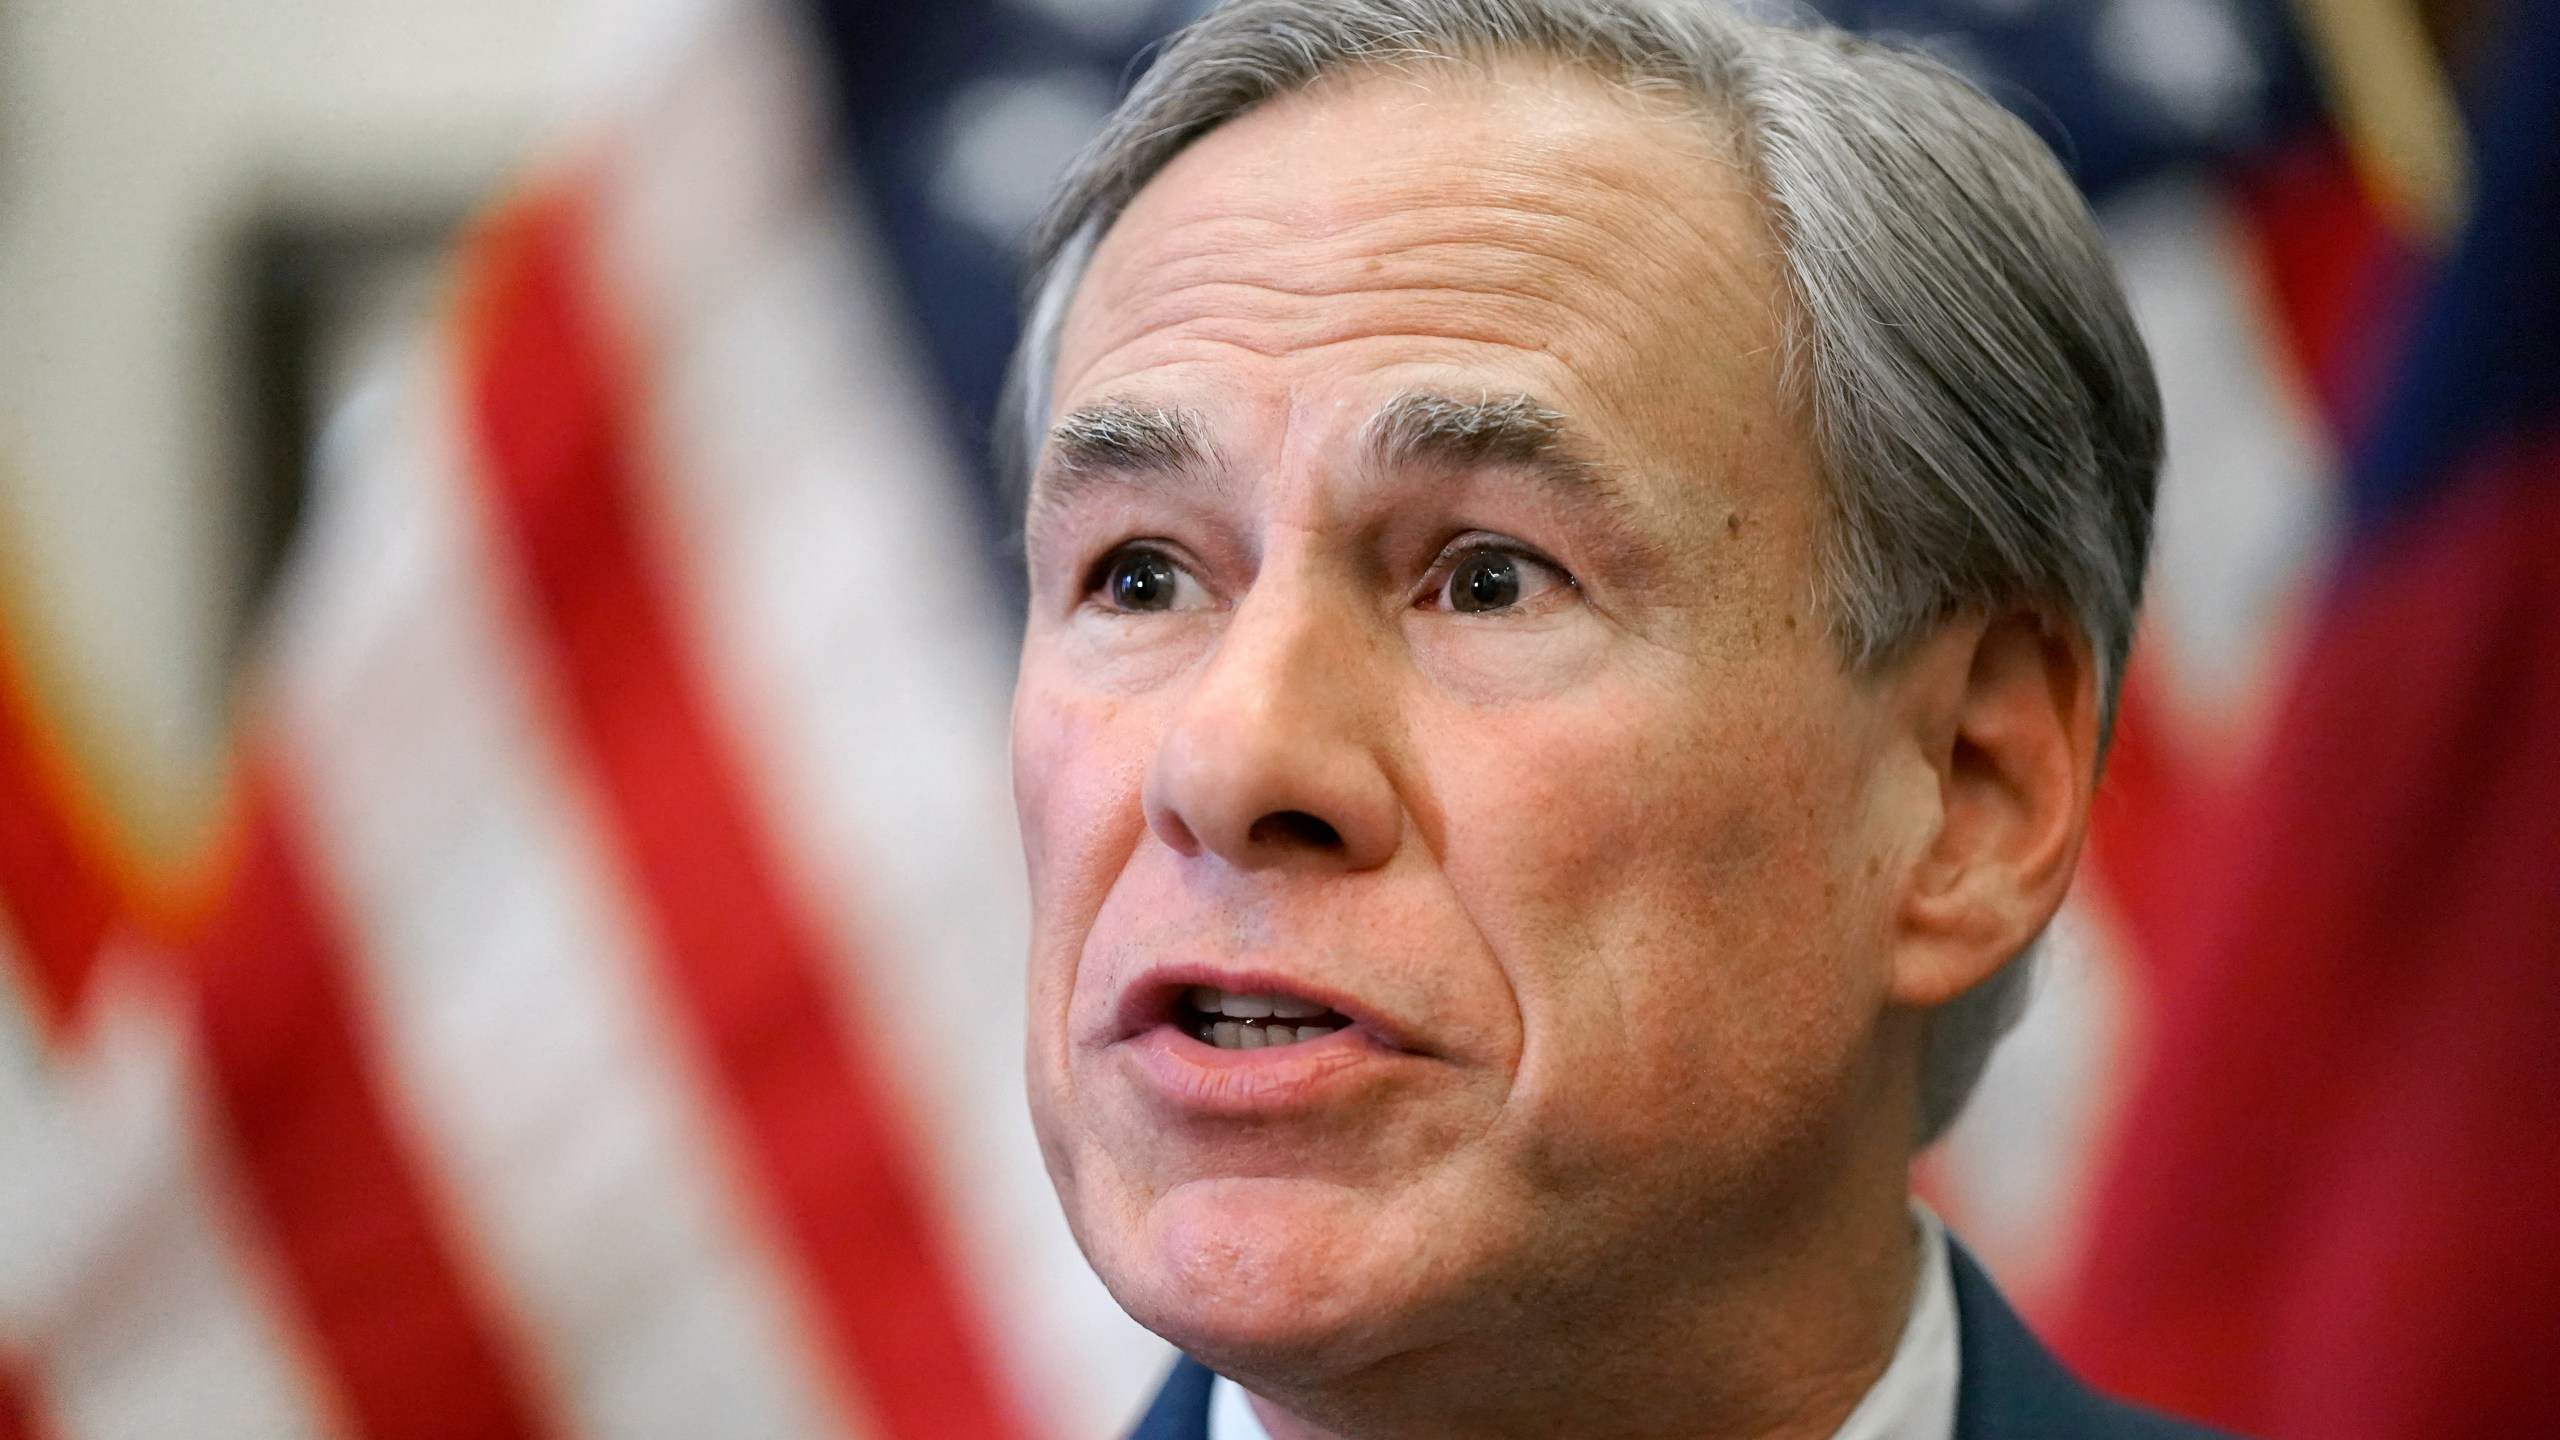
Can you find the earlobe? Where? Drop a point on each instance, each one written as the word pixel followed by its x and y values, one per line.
pixel 2004 708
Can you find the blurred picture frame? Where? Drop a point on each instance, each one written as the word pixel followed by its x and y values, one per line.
pixel 321 296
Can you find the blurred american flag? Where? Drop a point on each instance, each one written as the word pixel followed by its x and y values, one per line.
pixel 605 1019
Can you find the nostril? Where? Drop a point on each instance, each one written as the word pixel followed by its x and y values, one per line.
pixel 1294 828
pixel 1173 832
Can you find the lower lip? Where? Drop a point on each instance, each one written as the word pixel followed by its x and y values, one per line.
pixel 1204 1079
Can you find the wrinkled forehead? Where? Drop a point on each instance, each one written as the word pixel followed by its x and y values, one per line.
pixel 1511 213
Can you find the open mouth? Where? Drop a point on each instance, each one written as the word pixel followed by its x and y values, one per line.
pixel 1235 1020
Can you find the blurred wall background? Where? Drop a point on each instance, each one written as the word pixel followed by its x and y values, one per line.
pixel 181 188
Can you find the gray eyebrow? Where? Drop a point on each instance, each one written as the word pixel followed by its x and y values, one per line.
pixel 1123 441
pixel 1118 442
pixel 1420 429
pixel 1129 438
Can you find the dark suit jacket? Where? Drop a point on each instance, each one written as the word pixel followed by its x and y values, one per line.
pixel 2011 1387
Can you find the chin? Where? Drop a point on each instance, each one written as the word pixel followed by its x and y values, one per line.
pixel 1283 1283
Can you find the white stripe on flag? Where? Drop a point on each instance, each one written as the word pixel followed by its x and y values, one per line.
pixel 125 1283
pixel 839 606
pixel 504 968
pixel 2247 511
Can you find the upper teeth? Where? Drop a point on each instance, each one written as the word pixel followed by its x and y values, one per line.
pixel 1247 1022
pixel 1209 1000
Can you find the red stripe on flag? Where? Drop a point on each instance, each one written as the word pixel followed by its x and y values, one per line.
pixel 57 896
pixel 17 1403
pixel 411 1347
pixel 743 961
pixel 2340 282
pixel 2158 829
pixel 2331 1216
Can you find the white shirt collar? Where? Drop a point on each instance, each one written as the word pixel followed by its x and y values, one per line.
pixel 1914 1399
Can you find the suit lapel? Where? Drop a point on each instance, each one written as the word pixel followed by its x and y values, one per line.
pixel 1181 1408
pixel 2010 1386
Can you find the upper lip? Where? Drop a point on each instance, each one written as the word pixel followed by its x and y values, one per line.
pixel 1148 1000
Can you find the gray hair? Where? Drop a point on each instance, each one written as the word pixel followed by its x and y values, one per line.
pixel 1985 413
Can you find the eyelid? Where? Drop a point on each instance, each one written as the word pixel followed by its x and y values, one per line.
pixel 1099 569
pixel 1476 541
pixel 1098 574
pixel 1435 580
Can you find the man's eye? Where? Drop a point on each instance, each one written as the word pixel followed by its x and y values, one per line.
pixel 1146 580
pixel 1485 580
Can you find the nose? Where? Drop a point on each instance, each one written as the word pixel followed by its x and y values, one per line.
pixel 1273 758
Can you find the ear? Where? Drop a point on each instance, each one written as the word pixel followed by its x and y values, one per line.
pixel 2004 710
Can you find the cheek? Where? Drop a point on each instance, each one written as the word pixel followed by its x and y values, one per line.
pixel 1499 663
pixel 1657 873
pixel 1079 768
pixel 1618 806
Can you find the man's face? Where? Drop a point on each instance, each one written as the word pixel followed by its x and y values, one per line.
pixel 1422 635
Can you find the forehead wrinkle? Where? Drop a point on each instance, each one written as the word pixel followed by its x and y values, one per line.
pixel 1482 273
pixel 1526 250
pixel 1215 323
pixel 1198 323
pixel 1467 291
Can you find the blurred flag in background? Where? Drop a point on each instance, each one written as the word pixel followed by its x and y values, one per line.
pixel 2328 1213
pixel 603 1018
